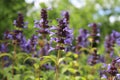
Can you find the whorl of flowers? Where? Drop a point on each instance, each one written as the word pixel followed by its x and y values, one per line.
pixel 15 36
pixel 3 47
pixel 95 38
pixel 111 69
pixel 82 39
pixel 94 58
pixel 64 33
pixel 95 34
pixel 110 40
pixel 30 45
pixel 42 24
pixel 19 22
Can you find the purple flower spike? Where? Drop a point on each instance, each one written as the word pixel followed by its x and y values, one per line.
pixel 43 23
pixel 66 16
pixel 82 38
pixel 112 70
pixel 64 33
pixel 30 45
pixel 110 40
pixel 94 58
pixel 19 22
pixel 95 34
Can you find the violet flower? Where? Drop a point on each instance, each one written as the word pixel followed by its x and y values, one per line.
pixel 3 47
pixel 112 69
pixel 43 24
pixel 15 35
pixel 64 33
pixel 45 50
pixel 95 34
pixel 116 36
pixel 110 41
pixel 43 32
pixel 109 44
pixel 19 22
pixel 94 58
pixel 7 35
pixel 30 45
pixel 6 59
pixel 82 40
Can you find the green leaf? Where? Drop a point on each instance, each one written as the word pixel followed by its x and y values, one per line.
pixel 44 61
pixel 31 58
pixel 17 77
pixel 36 66
pixel 60 60
pixel 72 70
pixel 5 54
pixel 51 57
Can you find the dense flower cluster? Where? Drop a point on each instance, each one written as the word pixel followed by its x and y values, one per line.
pixel 94 41
pixel 19 22
pixel 3 48
pixel 110 41
pixel 82 39
pixel 64 34
pixel 111 69
pixel 95 34
pixel 95 58
pixel 42 24
pixel 30 45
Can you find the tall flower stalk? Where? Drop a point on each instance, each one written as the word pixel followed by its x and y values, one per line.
pixel 16 36
pixel 110 41
pixel 94 41
pixel 82 40
pixel 63 38
pixel 43 32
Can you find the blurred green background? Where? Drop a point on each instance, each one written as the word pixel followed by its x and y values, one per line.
pixel 82 12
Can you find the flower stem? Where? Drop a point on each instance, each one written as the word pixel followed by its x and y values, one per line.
pixel 57 65
pixel 14 57
pixel 39 72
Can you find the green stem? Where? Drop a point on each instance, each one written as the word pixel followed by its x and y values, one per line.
pixel 14 58
pixel 39 72
pixel 57 65
pixel 2 64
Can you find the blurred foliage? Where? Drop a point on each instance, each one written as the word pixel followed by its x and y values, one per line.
pixel 93 11
pixel 8 12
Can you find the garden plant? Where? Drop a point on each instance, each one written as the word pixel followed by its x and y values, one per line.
pixel 54 53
